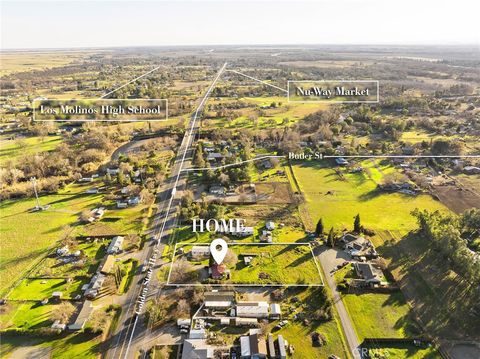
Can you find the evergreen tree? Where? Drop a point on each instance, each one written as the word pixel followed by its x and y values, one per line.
pixel 331 238
pixel 356 224
pixel 319 229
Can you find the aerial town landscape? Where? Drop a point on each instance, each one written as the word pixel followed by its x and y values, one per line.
pixel 349 219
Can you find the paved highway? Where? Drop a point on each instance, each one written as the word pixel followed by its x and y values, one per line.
pixel 132 325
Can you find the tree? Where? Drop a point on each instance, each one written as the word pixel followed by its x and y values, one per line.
pixel 357 227
pixel 183 308
pixel 230 259
pixel 98 322
pixel 331 237
pixel 155 312
pixel 63 312
pixel 85 215
pixel 319 229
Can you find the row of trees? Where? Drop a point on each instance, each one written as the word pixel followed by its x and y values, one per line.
pixel 451 234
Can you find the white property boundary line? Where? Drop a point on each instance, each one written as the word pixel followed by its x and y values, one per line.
pixel 263 82
pixel 323 157
pixel 129 82
pixel 231 164
pixel 317 266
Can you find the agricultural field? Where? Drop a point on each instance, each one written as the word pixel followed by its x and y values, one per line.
pixel 260 113
pixel 13 62
pixel 337 200
pixel 13 150
pixel 378 315
pixel 33 234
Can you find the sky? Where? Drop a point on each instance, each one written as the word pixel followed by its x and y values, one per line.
pixel 71 24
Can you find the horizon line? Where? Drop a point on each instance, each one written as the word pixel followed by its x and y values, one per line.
pixel 475 46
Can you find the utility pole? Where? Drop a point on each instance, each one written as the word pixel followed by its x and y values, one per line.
pixel 34 183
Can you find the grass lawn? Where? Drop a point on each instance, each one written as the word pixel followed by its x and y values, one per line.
pixel 379 315
pixel 357 194
pixel 165 352
pixel 77 345
pixel 298 335
pixel 27 236
pixel 25 315
pixel 130 267
pixel 94 251
pixel 11 150
pixel 404 351
pixel 39 289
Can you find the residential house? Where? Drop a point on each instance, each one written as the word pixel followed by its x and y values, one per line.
pixel 214 156
pixel 216 189
pixel 340 161
pixel 271 346
pixel 252 309
pixel 368 273
pixel 242 232
pixel 115 245
pixel 253 346
pixel 219 271
pixel 196 349
pixel 358 246
pixel 270 225
pixel 219 299
pixel 275 311
pixel 282 350
pixel 200 252
pixel 94 286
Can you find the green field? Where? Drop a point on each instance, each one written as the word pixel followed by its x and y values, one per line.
pixel 357 194
pixel 379 315
pixel 298 335
pixel 404 351
pixel 11 150
pixel 67 346
pixel 284 264
pixel 25 315
pixel 39 289
pixel 27 236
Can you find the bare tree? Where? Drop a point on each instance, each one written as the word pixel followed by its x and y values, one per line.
pixel 63 312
